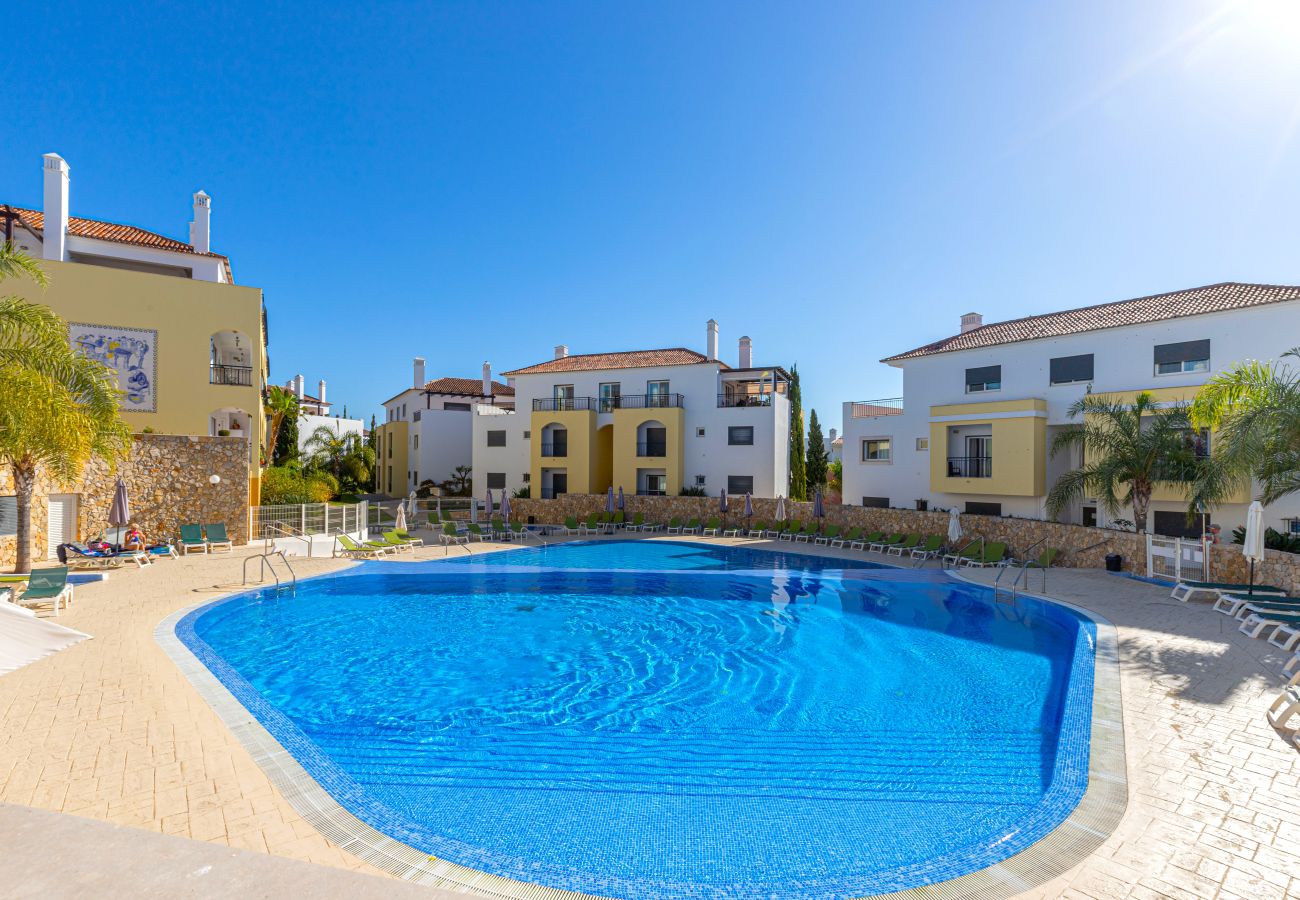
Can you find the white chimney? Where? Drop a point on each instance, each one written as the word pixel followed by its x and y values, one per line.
pixel 298 385
pixel 561 351
pixel 713 339
pixel 971 321
pixel 55 237
pixel 487 379
pixel 201 227
pixel 420 380
pixel 320 388
pixel 746 353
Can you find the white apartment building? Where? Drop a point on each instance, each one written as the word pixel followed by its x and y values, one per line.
pixel 314 413
pixel 647 421
pixel 980 409
pixel 427 429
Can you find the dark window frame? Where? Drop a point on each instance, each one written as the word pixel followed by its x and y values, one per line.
pixel 983 508
pixel 984 379
pixel 1180 354
pixel 889 449
pixel 496 437
pixel 496 481
pixel 1071 369
pixel 875 502
pixel 740 484
pixel 734 430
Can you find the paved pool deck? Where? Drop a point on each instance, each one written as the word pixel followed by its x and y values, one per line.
pixel 111 730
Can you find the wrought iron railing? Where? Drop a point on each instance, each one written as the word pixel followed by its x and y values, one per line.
pixel 646 492
pixel 236 375
pixel 651 401
pixel 651 448
pixel 565 404
pixel 870 409
pixel 970 467
pixel 738 400
pixel 554 449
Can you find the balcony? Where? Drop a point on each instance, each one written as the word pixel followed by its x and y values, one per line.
pixel 555 449
pixel 970 467
pixel 871 409
pixel 241 376
pixel 652 449
pixel 565 404
pixel 649 401
pixel 733 401
pixel 652 492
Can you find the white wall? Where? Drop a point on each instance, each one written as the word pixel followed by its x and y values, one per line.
pixel 307 425
pixel 513 459
pixel 445 442
pixel 1123 361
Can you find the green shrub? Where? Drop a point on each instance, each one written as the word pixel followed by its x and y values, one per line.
pixel 283 485
pixel 1273 539
pixel 693 490
pixel 322 486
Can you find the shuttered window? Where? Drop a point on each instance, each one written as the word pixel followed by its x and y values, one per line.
pixel 496 438
pixel 983 378
pixel 1186 356
pixel 1071 369
pixel 8 516
pixel 740 484
pixel 496 480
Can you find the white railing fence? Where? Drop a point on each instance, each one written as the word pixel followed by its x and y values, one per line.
pixel 307 518
pixel 1178 558
pixel 382 514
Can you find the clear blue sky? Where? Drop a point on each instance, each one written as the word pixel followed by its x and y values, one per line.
pixel 839 181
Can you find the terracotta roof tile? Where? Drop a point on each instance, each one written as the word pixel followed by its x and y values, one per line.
pixel 472 387
pixel 109 231
pixel 628 359
pixel 1194 302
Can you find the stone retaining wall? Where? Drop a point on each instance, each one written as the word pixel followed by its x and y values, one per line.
pixel 167 483
pixel 1077 543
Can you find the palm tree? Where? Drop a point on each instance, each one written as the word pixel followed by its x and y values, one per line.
pixel 279 404
pixel 346 456
pixel 1129 449
pixel 1255 409
pixel 60 408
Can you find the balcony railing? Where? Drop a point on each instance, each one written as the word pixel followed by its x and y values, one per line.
pixel 651 448
pixel 970 467
pixel 564 404
pixel 236 375
pixel 737 400
pixel 870 409
pixel 648 492
pixel 651 401
pixel 554 449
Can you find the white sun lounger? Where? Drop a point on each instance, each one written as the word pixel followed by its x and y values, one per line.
pixel 1256 623
pixel 1286 637
pixel 1286 705
pixel 1185 590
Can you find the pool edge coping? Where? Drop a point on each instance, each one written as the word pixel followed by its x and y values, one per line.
pixel 1076 838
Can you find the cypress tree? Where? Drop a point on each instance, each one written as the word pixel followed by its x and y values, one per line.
pixel 286 441
pixel 373 440
pixel 798 464
pixel 819 457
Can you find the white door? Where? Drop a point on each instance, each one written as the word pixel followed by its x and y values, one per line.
pixel 63 522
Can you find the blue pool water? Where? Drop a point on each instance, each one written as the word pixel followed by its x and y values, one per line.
pixel 659 556
pixel 672 727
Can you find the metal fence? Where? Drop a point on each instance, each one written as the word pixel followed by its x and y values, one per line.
pixel 307 518
pixel 382 514
pixel 1178 558
pixel 870 409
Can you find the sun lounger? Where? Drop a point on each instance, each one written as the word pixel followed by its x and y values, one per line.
pixel 192 539
pixel 790 530
pixel 474 532
pixel 1286 705
pixel 638 519
pixel 1256 623
pixel 79 556
pixel 619 520
pixel 1286 637
pixel 806 534
pixel 968 551
pixel 571 525
pixel 348 547
pixel 217 538
pixel 1238 605
pixel 993 553
pixel 1293 665
pixel 592 525
pixel 882 545
pixel 451 536
pixel 691 527
pixel 847 537
pixel 865 541
pixel 909 542
pixel 408 537
pixel 712 527
pixel 47 586
pixel 1185 590
pixel 830 534
pixel 732 531
pixel 391 539
pixel 932 547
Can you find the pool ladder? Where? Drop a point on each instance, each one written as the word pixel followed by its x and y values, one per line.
pixel 267 564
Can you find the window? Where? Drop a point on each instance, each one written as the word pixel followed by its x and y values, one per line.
pixel 528 476
pixel 1175 524
pixel 496 438
pixel 1071 369
pixel 415 477
pixel 876 502
pixel 609 394
pixel 8 516
pixel 1090 516
pixel 699 481
pixel 390 479
pixel 699 432
pixel 656 393
pixel 527 435
pixel 1188 356
pixel 416 416
pixel 563 396
pixel 875 450
pixel 390 447
pixel 740 484
pixel 496 481
pixel 740 435
pixel 1198 441
pixel 403 410
pixel 456 407
pixel 922 443
pixel 976 508
pixel 984 378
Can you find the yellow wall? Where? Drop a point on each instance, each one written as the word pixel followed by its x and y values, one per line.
pixel 626 462
pixel 1019 448
pixel 185 314
pixel 580 464
pixel 603 471
pixel 398 462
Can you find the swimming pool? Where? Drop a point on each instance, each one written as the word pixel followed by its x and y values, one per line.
pixel 637 722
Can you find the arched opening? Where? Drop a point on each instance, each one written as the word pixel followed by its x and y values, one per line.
pixel 231 420
pixel 555 440
pixel 230 359
pixel 652 439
